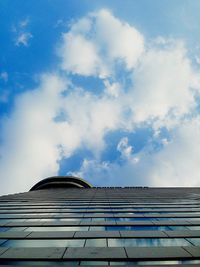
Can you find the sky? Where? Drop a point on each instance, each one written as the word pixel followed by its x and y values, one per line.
pixel 104 90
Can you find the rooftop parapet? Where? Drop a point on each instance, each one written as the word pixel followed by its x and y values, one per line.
pixel 61 182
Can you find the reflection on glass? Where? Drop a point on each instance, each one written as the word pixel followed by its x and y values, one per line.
pixel 185 219
pixel 195 241
pixel 11 220
pixel 174 228
pixel 43 243
pixel 194 227
pixel 147 242
pixel 4 229
pixel 158 262
pixel 60 219
pixel 2 241
pixel 129 228
pixel 134 219
pixel 97 228
pixel 110 219
pixel 57 228
pixel 32 220
pixel 146 228
pixel 101 242
pixel 16 228
pixel 70 219
pixel 49 220
pixel 190 261
pixel 98 219
pixel 39 263
pixel 121 263
pixel 93 263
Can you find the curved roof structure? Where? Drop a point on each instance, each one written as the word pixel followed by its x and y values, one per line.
pixel 61 182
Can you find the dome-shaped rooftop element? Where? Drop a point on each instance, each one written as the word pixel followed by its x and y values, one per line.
pixel 61 182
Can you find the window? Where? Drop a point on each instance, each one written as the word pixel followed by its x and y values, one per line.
pixel 147 242
pixel 44 243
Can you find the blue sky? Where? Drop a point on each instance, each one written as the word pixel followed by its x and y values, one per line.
pixel 105 90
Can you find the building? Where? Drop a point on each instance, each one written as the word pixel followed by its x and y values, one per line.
pixel 64 221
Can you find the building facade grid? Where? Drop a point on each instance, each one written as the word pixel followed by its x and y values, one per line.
pixel 101 226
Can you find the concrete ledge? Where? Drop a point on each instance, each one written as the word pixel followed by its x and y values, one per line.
pixel 157 253
pixel 25 224
pixel 95 253
pixel 33 253
pixel 62 223
pixel 183 233
pixel 99 223
pixel 96 234
pixel 13 234
pixel 51 235
pixel 2 250
pixel 195 222
pixel 124 214
pixel 64 215
pixel 194 251
pixel 3 224
pixel 96 215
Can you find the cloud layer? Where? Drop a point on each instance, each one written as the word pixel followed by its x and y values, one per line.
pixel 149 83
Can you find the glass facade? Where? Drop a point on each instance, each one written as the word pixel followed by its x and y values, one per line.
pixel 101 226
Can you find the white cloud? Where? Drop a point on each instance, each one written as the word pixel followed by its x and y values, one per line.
pixel 112 89
pixel 30 138
pixel 79 55
pixel 163 84
pixel 120 40
pixel 97 42
pixel 176 164
pixel 22 34
pixel 155 86
pixel 23 39
pixel 24 23
pixel 125 149
pixel 34 141
pixel 92 117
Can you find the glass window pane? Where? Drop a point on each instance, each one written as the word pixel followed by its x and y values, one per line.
pixel 44 243
pixel 4 229
pixel 38 263
pixel 93 263
pixel 194 227
pixel 134 219
pixel 145 228
pixel 101 242
pixel 174 228
pixel 16 228
pixel 195 241
pixel 57 228
pixel 147 242
pixel 98 219
pixel 120 263
pixel 2 241
pixel 97 228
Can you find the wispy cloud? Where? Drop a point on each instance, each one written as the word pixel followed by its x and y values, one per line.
pixel 23 39
pixel 4 76
pixel 22 34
